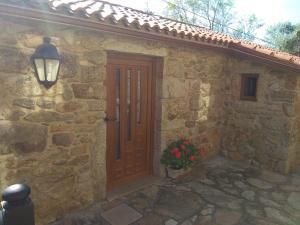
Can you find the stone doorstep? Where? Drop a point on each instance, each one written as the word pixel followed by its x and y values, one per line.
pixel 126 189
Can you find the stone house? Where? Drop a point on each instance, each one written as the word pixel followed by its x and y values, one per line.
pixel 130 83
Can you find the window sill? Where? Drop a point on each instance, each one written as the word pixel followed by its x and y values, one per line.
pixel 252 99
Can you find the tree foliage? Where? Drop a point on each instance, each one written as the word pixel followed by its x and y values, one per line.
pixel 217 15
pixel 247 27
pixel 214 14
pixel 285 36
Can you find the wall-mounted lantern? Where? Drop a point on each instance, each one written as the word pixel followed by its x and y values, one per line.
pixel 46 62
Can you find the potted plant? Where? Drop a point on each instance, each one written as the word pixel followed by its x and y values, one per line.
pixel 180 156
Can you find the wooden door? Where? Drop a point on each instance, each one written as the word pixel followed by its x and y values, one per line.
pixel 129 96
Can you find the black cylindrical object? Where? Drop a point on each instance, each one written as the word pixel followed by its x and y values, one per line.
pixel 17 206
pixel 1 217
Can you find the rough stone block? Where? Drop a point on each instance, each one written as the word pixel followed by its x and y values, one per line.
pixel 68 68
pixel 79 150
pixel 95 57
pixel 288 110
pixel 32 40
pixel 84 128
pixel 282 96
pixel 85 138
pixel 88 91
pixel 62 139
pixel 13 60
pixel 59 127
pixel 24 103
pixel 174 124
pixel 48 116
pixel 190 124
pixel 96 105
pixel 27 87
pixel 192 85
pixel 23 137
pixel 67 93
pixel 79 160
pixel 13 115
pixel 92 74
pixel 172 68
pixel 196 102
pixel 70 107
pixel 89 118
pixel 45 104
pixel 174 88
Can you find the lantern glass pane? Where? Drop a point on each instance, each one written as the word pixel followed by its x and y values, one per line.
pixel 39 64
pixel 52 66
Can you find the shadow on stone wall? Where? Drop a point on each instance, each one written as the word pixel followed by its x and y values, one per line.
pixel 193 98
pixel 207 102
pixel 259 132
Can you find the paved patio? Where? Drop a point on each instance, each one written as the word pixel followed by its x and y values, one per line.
pixel 220 192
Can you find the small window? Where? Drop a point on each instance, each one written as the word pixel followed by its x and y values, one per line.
pixel 249 86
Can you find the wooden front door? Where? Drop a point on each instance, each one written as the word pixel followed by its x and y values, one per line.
pixel 129 95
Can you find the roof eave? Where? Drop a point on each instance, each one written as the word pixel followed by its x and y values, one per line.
pixel 57 18
pixel 264 58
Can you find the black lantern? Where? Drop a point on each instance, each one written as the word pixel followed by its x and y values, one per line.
pixel 46 62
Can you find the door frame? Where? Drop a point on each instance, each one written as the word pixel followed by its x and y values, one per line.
pixel 155 68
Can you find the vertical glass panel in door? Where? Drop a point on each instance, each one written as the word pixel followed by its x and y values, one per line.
pixel 117 125
pixel 138 102
pixel 129 105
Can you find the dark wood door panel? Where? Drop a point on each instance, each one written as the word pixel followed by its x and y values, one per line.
pixel 129 96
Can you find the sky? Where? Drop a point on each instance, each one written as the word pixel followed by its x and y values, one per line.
pixel 269 11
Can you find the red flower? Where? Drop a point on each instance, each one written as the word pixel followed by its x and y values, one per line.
pixel 174 150
pixel 182 146
pixel 186 142
pixel 178 155
pixel 192 158
pixel 202 152
pixel 188 151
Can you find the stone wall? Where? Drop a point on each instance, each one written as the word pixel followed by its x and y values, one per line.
pixel 191 99
pixel 294 145
pixel 55 140
pixel 191 104
pixel 260 132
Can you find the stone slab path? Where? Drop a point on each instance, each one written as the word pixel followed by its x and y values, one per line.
pixel 121 215
pixel 218 192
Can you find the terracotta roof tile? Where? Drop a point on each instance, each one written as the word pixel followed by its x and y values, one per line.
pixel 114 14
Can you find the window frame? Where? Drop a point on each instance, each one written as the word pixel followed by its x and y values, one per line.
pixel 244 77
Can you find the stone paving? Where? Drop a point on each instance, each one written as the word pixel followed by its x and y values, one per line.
pixel 219 192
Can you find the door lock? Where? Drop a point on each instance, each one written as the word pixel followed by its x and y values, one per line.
pixel 109 119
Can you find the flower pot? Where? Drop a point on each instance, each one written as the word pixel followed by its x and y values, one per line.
pixel 177 173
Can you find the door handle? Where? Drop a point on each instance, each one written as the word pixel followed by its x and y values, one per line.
pixel 109 119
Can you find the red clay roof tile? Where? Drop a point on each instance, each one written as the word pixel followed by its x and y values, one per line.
pixel 114 14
